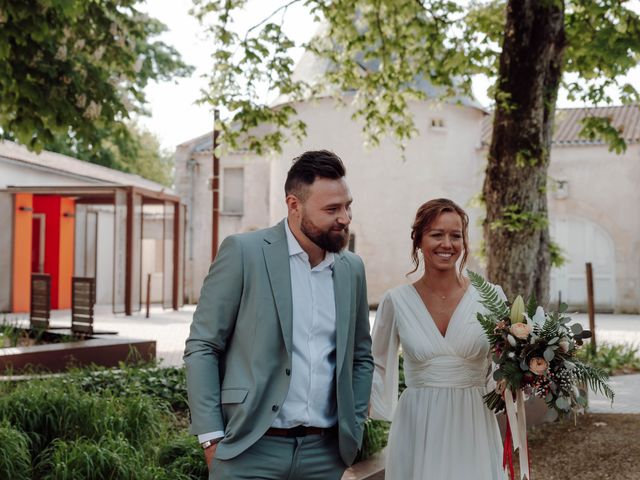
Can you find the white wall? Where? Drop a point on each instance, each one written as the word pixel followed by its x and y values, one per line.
pixel 196 194
pixel 386 188
pixel 603 188
pixel 6 249
pixel 104 252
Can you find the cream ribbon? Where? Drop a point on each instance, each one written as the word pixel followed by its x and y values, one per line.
pixel 518 423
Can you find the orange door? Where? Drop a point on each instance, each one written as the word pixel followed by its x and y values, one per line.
pixel 22 231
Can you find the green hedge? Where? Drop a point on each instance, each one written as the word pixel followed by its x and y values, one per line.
pixel 54 429
pixel 125 423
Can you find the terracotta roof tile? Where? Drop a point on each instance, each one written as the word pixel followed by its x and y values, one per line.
pixel 568 124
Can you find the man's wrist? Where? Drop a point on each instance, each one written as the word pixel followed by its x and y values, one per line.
pixel 210 443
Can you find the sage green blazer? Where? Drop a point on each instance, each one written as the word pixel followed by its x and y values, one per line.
pixel 238 354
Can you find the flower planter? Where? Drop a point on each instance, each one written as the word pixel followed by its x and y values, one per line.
pixel 107 351
pixel 370 469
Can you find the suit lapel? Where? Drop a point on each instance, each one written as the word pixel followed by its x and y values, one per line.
pixel 276 256
pixel 342 293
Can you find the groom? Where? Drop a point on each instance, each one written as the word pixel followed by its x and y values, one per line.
pixel 278 359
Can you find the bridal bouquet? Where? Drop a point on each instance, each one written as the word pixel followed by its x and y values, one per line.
pixel 534 353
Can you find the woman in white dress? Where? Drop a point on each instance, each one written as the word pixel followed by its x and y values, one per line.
pixel 440 429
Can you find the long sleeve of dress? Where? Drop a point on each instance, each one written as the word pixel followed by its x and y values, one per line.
pixel 490 382
pixel 384 395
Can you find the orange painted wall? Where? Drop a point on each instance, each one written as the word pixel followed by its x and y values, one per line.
pixel 22 227
pixel 65 266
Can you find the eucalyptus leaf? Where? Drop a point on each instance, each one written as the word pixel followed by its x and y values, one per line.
pixel 562 403
pixel 548 354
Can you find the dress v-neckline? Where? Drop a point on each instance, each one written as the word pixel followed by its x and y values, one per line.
pixel 430 317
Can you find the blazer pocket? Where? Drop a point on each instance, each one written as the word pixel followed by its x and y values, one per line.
pixel 233 395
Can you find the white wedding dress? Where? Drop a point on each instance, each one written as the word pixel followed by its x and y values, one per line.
pixel 441 429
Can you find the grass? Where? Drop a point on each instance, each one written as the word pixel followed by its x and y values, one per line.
pixel 121 427
pixel 15 460
pixel 47 410
pixel 11 335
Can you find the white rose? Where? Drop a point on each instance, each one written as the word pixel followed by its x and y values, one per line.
pixel 520 330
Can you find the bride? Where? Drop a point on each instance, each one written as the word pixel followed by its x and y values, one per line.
pixel 440 428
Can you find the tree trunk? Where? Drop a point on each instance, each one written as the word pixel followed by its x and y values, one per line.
pixel 516 226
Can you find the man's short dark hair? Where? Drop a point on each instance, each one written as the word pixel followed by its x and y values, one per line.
pixel 309 166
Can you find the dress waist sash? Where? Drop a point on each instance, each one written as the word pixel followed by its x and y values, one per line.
pixel 445 372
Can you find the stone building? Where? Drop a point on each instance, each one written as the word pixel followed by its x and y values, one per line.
pixel 592 193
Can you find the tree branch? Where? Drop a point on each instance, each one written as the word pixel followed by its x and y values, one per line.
pixel 274 13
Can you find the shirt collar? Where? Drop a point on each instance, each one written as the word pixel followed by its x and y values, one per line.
pixel 295 249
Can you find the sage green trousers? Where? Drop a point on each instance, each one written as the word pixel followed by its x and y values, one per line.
pixel 313 457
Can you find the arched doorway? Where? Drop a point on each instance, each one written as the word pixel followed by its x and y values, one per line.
pixel 583 241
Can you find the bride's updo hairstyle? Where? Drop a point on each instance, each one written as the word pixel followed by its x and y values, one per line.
pixel 425 216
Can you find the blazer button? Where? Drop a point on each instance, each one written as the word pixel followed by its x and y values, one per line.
pixel 288 372
pixel 274 408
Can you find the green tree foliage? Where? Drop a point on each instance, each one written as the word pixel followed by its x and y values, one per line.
pixel 77 69
pixel 380 50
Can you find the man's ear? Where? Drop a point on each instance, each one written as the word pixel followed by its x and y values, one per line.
pixel 293 204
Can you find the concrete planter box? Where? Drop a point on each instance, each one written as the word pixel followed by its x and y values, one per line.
pixel 107 351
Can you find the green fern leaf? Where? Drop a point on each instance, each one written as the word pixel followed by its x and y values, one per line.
pixel 596 378
pixel 489 296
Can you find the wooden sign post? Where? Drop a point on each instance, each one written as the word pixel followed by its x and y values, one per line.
pixel 590 304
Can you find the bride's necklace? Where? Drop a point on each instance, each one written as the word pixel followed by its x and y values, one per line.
pixel 439 295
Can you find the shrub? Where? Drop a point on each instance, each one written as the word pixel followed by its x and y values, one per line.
pixel 15 460
pixel 612 358
pixel 165 384
pixel 374 438
pixel 183 456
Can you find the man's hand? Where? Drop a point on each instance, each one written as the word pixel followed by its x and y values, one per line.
pixel 209 453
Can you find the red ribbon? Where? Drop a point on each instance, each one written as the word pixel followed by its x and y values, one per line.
pixel 507 452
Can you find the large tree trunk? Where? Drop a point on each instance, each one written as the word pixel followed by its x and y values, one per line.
pixel 516 232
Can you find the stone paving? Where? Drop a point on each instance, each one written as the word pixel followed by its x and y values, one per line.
pixel 170 329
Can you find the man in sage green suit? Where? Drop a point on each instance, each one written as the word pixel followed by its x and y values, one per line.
pixel 278 359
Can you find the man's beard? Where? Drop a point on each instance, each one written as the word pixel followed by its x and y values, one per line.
pixel 331 240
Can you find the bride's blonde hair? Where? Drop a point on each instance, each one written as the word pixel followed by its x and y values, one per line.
pixel 425 216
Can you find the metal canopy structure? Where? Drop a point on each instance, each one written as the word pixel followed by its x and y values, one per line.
pixel 128 203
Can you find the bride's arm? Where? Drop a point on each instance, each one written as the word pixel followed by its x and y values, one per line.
pixel 385 344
